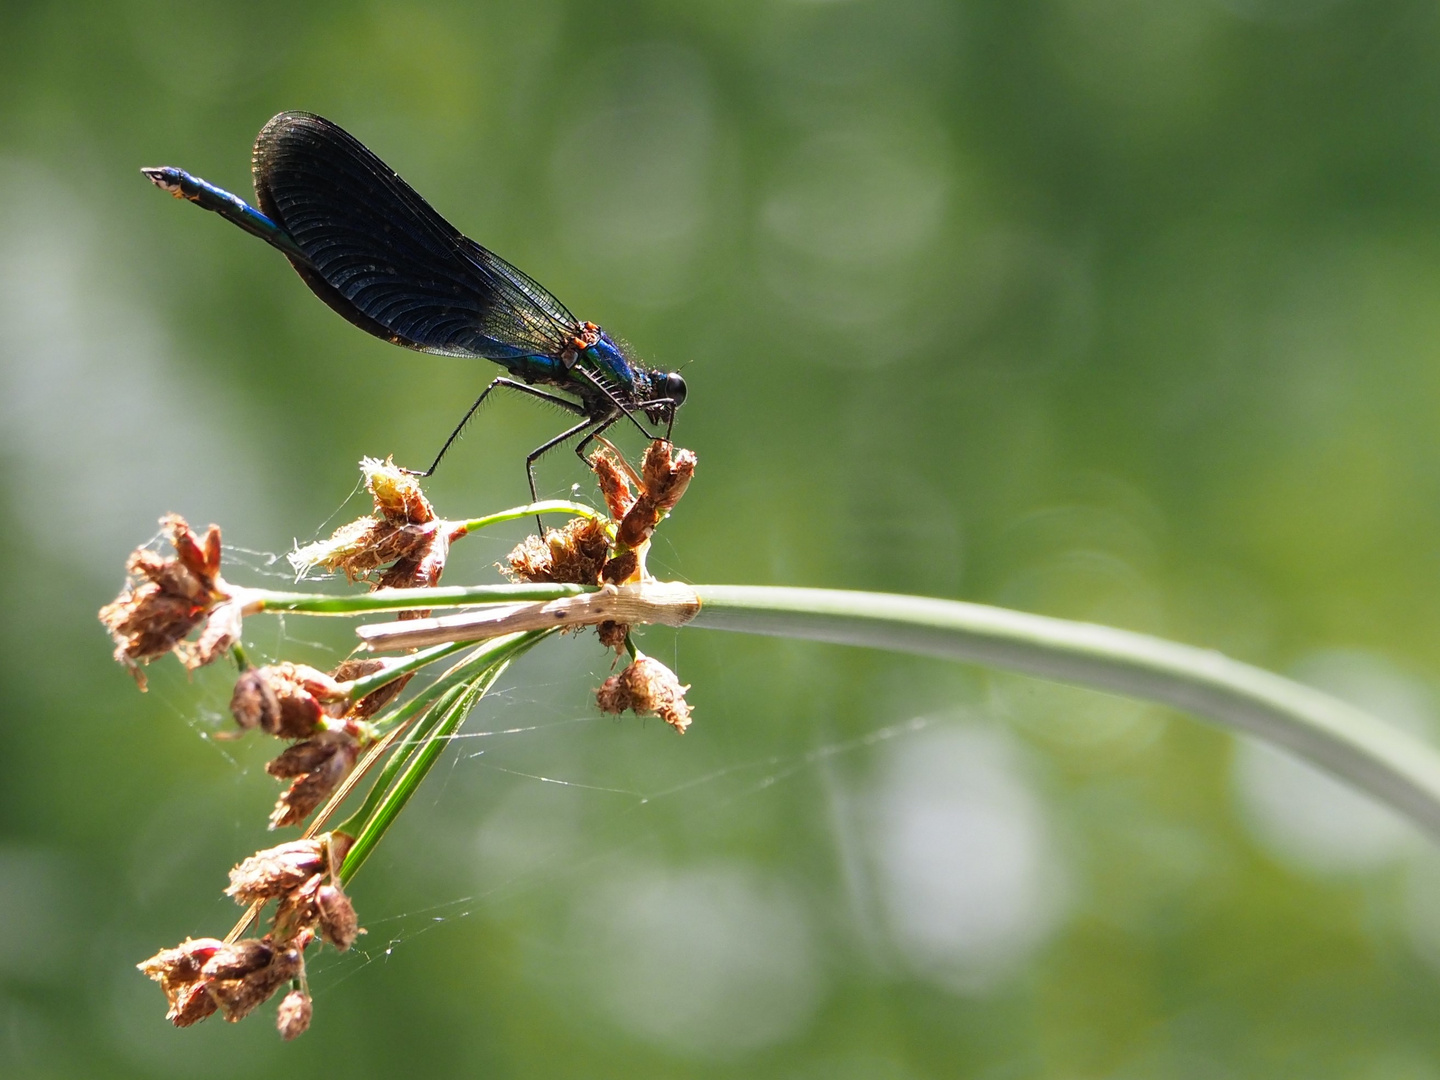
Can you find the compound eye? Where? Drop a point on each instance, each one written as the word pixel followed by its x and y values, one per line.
pixel 675 388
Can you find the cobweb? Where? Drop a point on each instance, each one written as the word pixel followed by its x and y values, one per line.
pixel 540 789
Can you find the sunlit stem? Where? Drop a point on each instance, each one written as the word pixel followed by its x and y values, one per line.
pixel 258 600
pixel 545 506
pixel 1392 765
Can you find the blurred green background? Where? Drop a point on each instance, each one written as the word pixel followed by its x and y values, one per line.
pixel 1125 310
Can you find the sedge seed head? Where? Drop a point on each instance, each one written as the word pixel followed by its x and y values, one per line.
pixel 665 474
pixel 283 699
pixel 397 494
pixel 295 915
pixel 275 871
pixel 572 554
pixel 338 923
pixel 614 484
pixel 292 1019
pixel 166 598
pixel 243 975
pixel 648 688
pixel 373 702
pixel 319 765
pixel 178 971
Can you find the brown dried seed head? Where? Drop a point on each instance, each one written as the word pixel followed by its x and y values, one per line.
pixel 145 623
pixel 174 969
pixel 612 634
pixel 293 1017
pixel 281 699
pixel 572 554
pixel 397 494
pixel 166 598
pixel 614 484
pixel 622 569
pixel 320 765
pixel 613 695
pixel 247 973
pixel 666 473
pixel 313 753
pixel 646 687
pixel 371 703
pixel 356 667
pixel 200 556
pixel 276 871
pixel 420 569
pixel 221 630
pixel 296 914
pixel 241 958
pixel 376 700
pixel 363 546
pixel 529 561
pixel 338 924
pixel 345 545
pixel 667 470
pixel 636 526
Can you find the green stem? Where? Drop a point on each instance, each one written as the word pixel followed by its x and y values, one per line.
pixel 1391 765
pixel 403 599
pixel 437 699
pixel 545 506
pixel 368 684
pixel 447 713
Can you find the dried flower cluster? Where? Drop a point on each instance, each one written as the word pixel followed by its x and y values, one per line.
pixel 164 599
pixel 592 551
pixel 664 475
pixel 319 712
pixel 403 535
pixel 201 976
pixel 573 554
pixel 181 604
pixel 648 688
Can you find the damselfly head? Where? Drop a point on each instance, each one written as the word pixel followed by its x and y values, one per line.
pixel 668 393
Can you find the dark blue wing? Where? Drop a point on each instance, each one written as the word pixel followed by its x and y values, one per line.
pixel 382 257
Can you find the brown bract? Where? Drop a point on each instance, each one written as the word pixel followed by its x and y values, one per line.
pixel 166 598
pixel 646 687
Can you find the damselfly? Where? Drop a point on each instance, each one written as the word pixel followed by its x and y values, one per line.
pixel 369 246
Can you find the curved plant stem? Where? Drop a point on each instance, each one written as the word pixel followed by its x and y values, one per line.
pixel 1390 764
pixel 545 506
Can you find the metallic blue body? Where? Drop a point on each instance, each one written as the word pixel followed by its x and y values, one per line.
pixel 369 246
